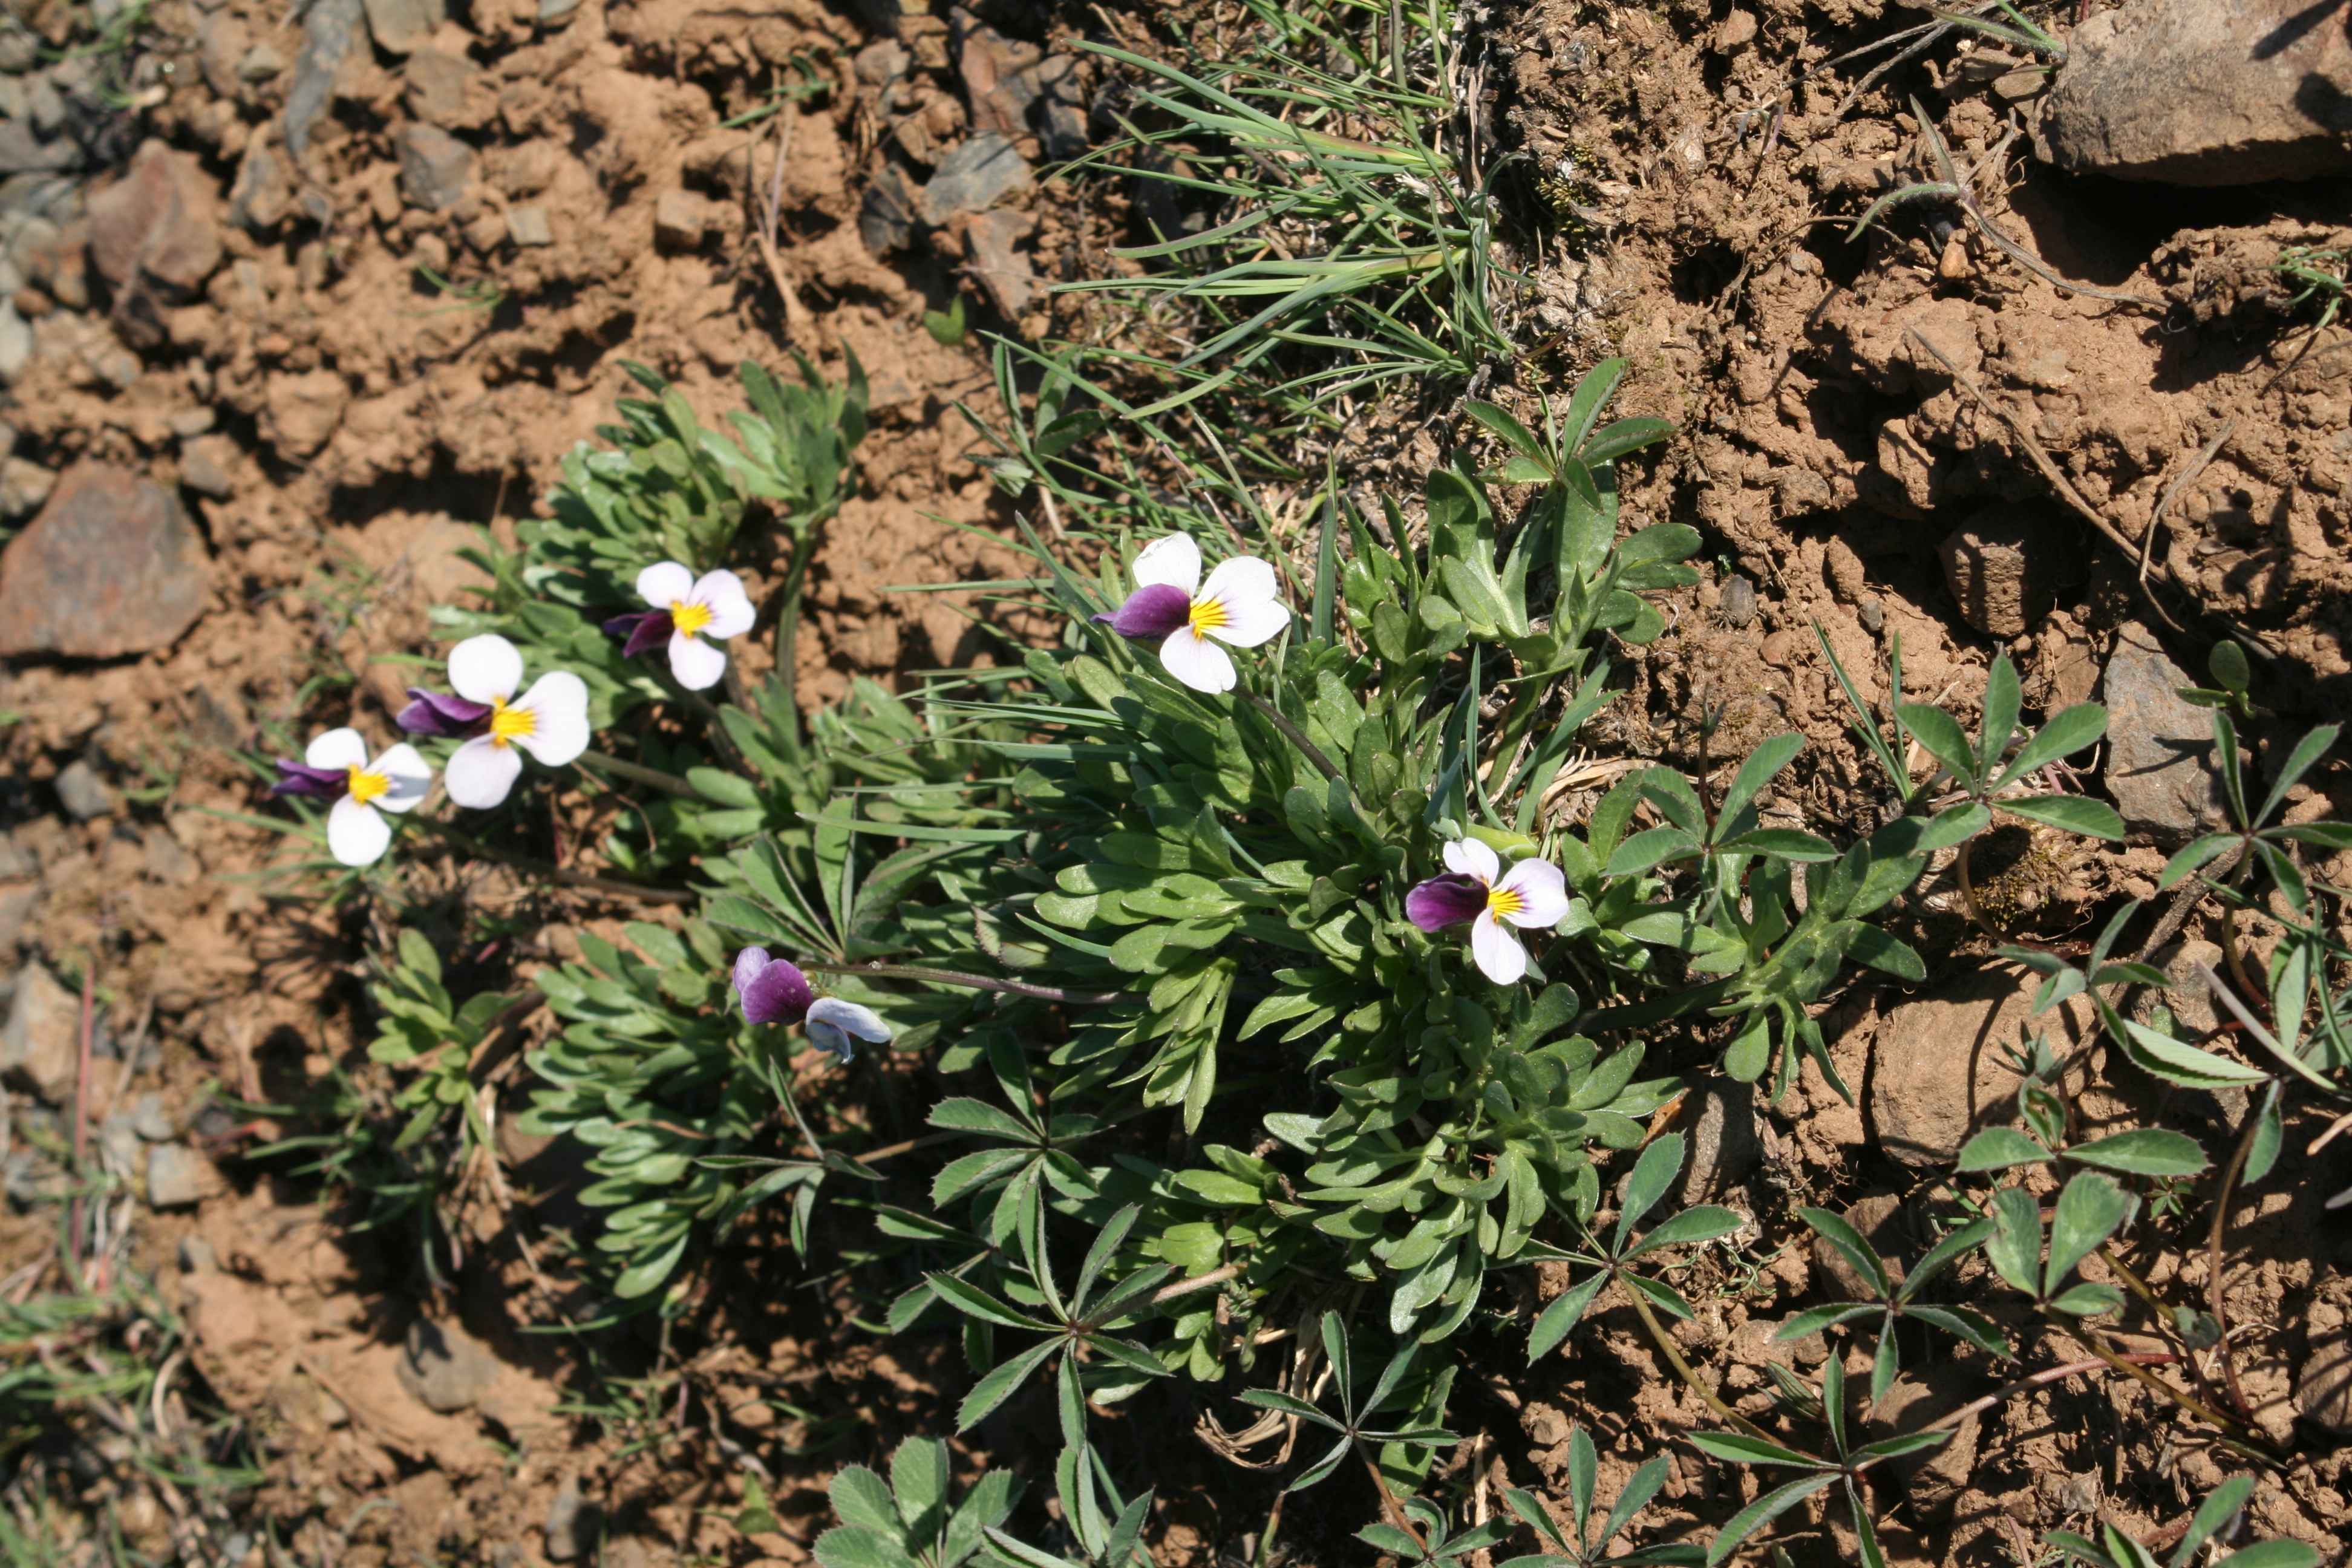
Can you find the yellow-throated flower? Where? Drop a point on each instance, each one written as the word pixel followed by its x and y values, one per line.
pixel 336 767
pixel 550 720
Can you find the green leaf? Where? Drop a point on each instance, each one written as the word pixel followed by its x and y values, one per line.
pixel 862 1498
pixel 996 1387
pixel 1614 440
pixel 2185 1065
pixel 2089 1209
pixel 1773 1504
pixel 851 1546
pixel 2067 733
pixel 2211 1515
pixel 1738 1448
pixel 2147 1151
pixel 1649 848
pixel 1507 429
pixel 2070 813
pixel 2272 1554
pixel 2014 1247
pixel 2085 1300
pixel 2307 752
pixel 1999 1148
pixel 1561 1315
pixel 1704 1223
pixel 1840 1233
pixel 2000 707
pixel 1653 1173
pixel 1941 734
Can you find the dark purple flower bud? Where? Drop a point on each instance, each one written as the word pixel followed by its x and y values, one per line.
pixel 773 990
pixel 1446 900
pixel 1152 611
pixel 444 715
pixel 645 629
pixel 301 778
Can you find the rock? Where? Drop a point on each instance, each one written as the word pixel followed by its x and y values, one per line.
pixel 1919 1396
pixel 403 27
pixel 445 1368
pixel 45 104
pixel 885 216
pixel 204 466
pixel 24 486
pixel 147 1118
pixel 2323 1389
pixel 572 1525
pixel 166 861
pixel 120 1139
pixel 1000 74
pixel 328 29
pixel 15 342
pixel 260 64
pixel 435 168
pixel 82 793
pixel 2159 748
pixel 20 51
pixel 679 219
pixel 1940 1071
pixel 971 179
pixel 529 226
pixel 32 1177
pixel 221 42
pixel 1725 1148
pixel 2016 86
pixel 19 903
pixel 881 62
pixel 300 413
pixel 156 224
pixel 1880 1220
pixel 555 13
pixel 2204 92
pixel 1737 31
pixel 111 566
pixel 262 194
pixel 988 241
pixel 178 1177
pixel 40 1045
pixel 438 81
pixel 2005 566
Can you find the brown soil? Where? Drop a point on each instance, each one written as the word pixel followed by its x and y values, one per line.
pixel 363 417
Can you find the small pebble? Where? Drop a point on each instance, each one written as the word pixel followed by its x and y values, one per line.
pixel 1738 600
pixel 1873 616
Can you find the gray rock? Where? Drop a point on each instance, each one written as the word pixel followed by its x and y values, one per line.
pixel 147 1118
pixel 435 168
pixel 23 152
pixel 204 466
pixel 881 62
pixel 2005 566
pixel 190 422
pixel 1881 1220
pixel 32 1177
pixel 572 1525
pixel 111 566
pixel 20 51
pixel 197 1256
pixel 2204 92
pixel 885 216
pixel 556 13
pixel 1725 1145
pixel 327 28
pixel 178 1177
pixel 40 1045
pixel 2323 1387
pixel 2159 765
pixel 120 1139
pixel 262 195
pixel 528 226
pixel 19 903
pixel 45 104
pixel 15 98
pixel 16 342
pixel 222 41
pixel 403 27
pixel 445 1368
pixel 82 793
pixel 438 81
pixel 978 174
pixel 259 64
pixel 24 486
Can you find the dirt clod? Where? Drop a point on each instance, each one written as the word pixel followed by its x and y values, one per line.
pixel 1940 1070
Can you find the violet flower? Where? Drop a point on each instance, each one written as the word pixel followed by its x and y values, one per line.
pixel 550 720
pixel 774 990
pixel 687 609
pixel 1533 894
pixel 1239 605
pixel 335 767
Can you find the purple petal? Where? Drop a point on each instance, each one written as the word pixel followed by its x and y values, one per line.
pixel 1151 612
pixel 1446 900
pixel 773 990
pixel 301 778
pixel 645 629
pixel 441 714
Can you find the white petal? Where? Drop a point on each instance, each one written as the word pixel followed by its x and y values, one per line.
pixel 411 776
pixel 722 592
pixel 558 704
pixel 1543 893
pixel 1473 858
pixel 1254 608
pixel 336 749
pixel 485 667
pixel 665 585
pixel 849 1018
pixel 1172 559
pixel 481 772
pixel 1501 957
pixel 356 834
pixel 1196 661
pixel 695 662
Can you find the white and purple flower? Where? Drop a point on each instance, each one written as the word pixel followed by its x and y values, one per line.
pixel 336 767
pixel 685 609
pixel 1239 604
pixel 550 720
pixel 774 990
pixel 1531 895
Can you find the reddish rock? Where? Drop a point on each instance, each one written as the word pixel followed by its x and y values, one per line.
pixel 156 223
pixel 111 566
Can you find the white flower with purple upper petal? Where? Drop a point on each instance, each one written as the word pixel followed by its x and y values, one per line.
pixel 774 990
pixel 550 720
pixel 336 767
pixel 1239 604
pixel 685 609
pixel 1533 894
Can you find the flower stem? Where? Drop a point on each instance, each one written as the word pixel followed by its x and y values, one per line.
pixel 1683 1368
pixel 976 982
pixel 788 624
pixel 1294 734
pixel 639 773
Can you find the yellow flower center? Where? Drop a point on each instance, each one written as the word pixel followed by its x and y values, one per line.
pixel 1206 614
pixel 510 723
pixel 366 786
pixel 1502 901
pixel 688 619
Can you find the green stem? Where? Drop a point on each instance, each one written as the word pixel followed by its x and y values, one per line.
pixel 639 773
pixel 1683 1368
pixel 1294 734
pixel 788 623
pixel 975 981
pixel 554 873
